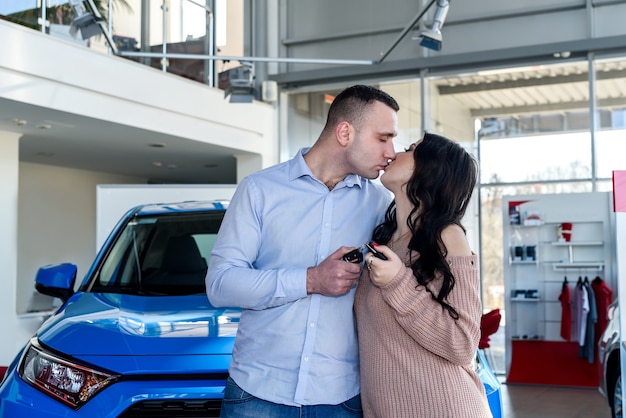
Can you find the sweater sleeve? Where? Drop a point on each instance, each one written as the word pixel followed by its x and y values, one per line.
pixel 428 323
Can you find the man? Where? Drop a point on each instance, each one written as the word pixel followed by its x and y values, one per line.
pixel 278 255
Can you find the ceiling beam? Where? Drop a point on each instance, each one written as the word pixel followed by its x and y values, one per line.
pixel 547 107
pixel 544 80
pixel 441 64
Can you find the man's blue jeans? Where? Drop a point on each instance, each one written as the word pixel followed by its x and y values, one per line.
pixel 238 403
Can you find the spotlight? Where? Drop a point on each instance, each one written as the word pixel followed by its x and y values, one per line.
pixel 86 22
pixel 238 83
pixel 431 38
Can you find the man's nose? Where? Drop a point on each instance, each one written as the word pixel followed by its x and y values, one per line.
pixel 390 151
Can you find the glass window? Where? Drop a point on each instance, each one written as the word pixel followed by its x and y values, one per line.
pixel 610 152
pixel 160 255
pixel 24 12
pixel 536 158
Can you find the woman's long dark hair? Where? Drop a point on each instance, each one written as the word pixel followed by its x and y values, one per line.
pixel 440 190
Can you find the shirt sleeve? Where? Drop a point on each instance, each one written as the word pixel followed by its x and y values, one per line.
pixel 233 278
pixel 428 323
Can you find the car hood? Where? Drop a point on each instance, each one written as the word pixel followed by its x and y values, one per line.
pixel 93 325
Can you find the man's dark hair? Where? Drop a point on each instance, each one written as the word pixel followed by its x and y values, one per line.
pixel 350 105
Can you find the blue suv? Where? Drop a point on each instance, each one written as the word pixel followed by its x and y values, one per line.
pixel 139 337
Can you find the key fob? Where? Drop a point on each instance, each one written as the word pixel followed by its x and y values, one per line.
pixel 354 256
pixel 370 247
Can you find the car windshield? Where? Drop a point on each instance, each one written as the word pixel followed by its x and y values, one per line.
pixel 159 255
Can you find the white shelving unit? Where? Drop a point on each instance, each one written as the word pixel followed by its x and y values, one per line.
pixel 534 278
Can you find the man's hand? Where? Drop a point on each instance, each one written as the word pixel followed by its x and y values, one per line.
pixel 333 276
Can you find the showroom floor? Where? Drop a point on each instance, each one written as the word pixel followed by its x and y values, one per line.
pixel 532 401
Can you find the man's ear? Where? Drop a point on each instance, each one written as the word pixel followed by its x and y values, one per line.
pixel 344 132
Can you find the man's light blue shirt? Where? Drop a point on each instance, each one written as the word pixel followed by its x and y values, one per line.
pixel 292 348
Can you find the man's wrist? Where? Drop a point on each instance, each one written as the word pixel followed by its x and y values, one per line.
pixel 310 280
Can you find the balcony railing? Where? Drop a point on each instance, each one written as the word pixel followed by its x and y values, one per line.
pixel 177 36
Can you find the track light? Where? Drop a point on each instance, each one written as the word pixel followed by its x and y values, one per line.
pixel 238 83
pixel 86 22
pixel 432 38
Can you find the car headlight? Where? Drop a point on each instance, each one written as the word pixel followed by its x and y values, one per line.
pixel 68 382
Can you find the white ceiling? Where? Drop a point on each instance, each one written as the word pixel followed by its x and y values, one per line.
pixel 68 140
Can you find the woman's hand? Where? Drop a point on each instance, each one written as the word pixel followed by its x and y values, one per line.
pixel 383 271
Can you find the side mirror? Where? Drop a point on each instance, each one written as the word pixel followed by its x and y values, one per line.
pixel 56 280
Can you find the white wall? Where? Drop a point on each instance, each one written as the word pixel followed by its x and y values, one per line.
pixel 56 221
pixel 114 200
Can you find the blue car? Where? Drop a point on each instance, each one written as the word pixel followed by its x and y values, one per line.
pixel 491 384
pixel 138 338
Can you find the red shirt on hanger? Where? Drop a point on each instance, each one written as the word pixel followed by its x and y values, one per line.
pixel 566 312
pixel 603 296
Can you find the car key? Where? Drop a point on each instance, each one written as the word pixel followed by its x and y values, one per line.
pixel 354 256
pixel 370 247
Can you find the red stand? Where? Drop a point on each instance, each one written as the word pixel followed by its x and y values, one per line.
pixel 550 363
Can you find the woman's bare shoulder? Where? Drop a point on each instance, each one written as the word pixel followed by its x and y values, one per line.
pixel 455 240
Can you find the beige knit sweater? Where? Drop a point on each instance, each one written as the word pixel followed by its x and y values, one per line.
pixel 416 359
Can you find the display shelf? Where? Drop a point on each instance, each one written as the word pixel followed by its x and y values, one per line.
pixel 538 257
pixel 576 243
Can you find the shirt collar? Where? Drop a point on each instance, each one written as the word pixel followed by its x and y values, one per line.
pixel 299 168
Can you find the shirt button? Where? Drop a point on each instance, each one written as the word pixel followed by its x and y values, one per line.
pixel 306 358
pixel 312 324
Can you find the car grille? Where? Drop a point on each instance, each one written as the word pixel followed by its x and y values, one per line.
pixel 191 408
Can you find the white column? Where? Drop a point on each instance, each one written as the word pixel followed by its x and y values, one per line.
pixel 247 164
pixel 9 165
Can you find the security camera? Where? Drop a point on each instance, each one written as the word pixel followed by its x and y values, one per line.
pixel 432 38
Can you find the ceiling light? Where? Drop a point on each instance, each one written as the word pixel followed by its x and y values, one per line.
pixel 564 54
pixel 432 38
pixel 19 122
pixel 44 126
pixel 157 145
pixel 86 22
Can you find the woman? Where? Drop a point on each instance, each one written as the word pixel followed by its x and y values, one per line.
pixel 418 312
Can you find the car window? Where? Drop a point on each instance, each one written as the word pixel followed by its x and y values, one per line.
pixel 160 255
pixel 205 243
